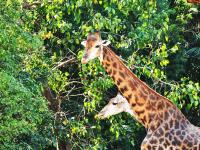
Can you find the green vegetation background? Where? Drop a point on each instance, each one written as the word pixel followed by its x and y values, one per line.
pixel 48 99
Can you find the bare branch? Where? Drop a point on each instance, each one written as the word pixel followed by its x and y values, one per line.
pixel 63 63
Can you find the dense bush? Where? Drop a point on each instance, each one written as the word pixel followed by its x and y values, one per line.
pixel 24 115
pixel 154 37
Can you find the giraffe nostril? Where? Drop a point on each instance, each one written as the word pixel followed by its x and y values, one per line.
pixel 85 56
pixel 84 59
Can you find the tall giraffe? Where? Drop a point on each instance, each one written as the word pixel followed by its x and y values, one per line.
pixel 156 113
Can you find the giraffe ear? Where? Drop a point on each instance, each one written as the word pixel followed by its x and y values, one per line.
pixel 83 43
pixel 105 42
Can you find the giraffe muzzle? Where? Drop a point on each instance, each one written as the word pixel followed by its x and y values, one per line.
pixel 84 61
pixel 101 115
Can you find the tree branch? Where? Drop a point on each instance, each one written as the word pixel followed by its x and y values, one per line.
pixel 63 63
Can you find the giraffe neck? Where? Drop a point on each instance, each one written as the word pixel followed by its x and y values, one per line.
pixel 150 108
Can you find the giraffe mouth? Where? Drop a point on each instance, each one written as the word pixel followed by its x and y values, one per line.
pixel 84 61
pixel 101 115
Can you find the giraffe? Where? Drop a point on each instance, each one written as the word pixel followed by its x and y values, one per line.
pixel 119 104
pixel 167 127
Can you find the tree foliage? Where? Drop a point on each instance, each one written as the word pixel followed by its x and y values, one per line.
pixel 23 111
pixel 41 51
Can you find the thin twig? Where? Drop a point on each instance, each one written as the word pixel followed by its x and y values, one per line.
pixel 63 63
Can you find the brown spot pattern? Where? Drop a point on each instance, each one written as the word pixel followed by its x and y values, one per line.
pixel 160 105
pixel 176 124
pixel 107 64
pixel 122 74
pixel 152 97
pixel 166 115
pixel 132 85
pixel 119 81
pixel 123 89
pixel 144 120
pixel 166 126
pixel 153 141
pixel 133 104
pixel 140 102
pixel 139 112
pixel 114 65
pixel 107 58
pixel 114 72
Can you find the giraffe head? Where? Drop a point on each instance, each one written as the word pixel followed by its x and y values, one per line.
pixel 115 106
pixel 94 46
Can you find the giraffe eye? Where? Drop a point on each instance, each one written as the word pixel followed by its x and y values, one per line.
pixel 97 46
pixel 104 42
pixel 114 103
